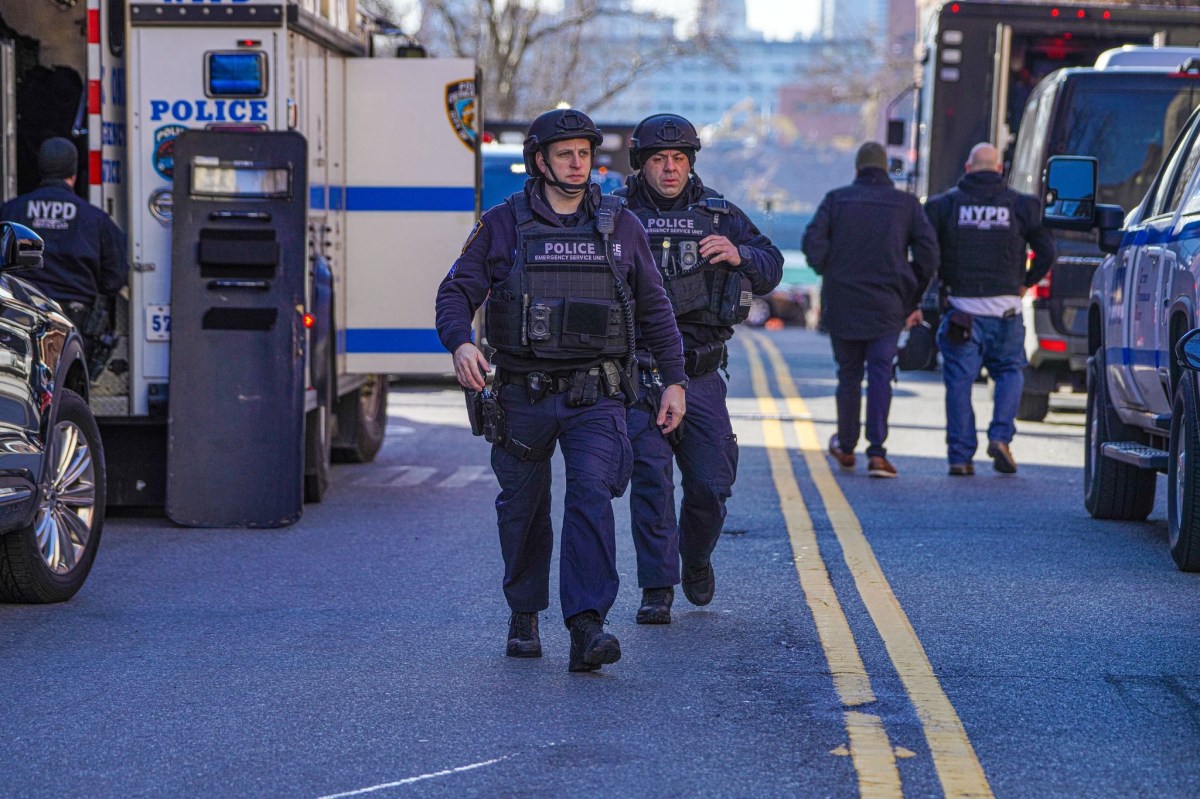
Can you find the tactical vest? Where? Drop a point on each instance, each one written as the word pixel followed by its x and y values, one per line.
pixel 701 293
pixel 986 246
pixel 560 301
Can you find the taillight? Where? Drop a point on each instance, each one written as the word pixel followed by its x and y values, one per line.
pixel 1042 290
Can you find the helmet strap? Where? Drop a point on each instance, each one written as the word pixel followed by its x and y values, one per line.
pixel 567 188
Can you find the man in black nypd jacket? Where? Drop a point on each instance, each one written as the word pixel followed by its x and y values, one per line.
pixel 84 264
pixel 985 229
pixel 712 260
pixel 566 276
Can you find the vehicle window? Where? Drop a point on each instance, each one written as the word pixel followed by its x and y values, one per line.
pixel 1026 175
pixel 1169 177
pixel 1128 138
pixel 1183 178
pixel 1191 203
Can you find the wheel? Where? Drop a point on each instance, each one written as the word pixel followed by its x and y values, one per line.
pixel 1183 479
pixel 361 422
pixel 1034 406
pixel 318 452
pixel 1111 489
pixel 49 560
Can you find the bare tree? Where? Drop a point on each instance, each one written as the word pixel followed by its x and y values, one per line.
pixel 532 58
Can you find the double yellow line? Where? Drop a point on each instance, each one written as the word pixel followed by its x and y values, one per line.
pixel 871 751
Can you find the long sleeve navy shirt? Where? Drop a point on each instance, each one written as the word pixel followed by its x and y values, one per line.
pixel 489 255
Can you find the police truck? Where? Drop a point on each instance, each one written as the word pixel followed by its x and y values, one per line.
pixel 291 204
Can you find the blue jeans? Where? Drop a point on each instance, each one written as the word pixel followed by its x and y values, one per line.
pixel 998 344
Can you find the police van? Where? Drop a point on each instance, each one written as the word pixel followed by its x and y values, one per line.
pixel 291 204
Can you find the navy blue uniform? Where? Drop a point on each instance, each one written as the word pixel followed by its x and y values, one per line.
pixel 592 438
pixel 707 449
pixel 85 250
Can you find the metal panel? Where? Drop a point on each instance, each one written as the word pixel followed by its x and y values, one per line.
pixel 410 203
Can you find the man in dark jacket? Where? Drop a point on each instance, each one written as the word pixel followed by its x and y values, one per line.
pixel 567 276
pixel 713 260
pixel 84 264
pixel 985 229
pixel 859 242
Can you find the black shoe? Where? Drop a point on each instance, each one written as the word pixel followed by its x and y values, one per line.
pixel 591 647
pixel 656 605
pixel 523 640
pixel 699 584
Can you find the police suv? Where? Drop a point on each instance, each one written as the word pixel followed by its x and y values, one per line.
pixel 1143 408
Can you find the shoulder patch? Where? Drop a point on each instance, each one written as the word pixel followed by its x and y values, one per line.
pixel 474 232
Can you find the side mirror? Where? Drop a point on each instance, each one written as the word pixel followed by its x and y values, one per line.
pixel 895 133
pixel 1070 192
pixel 1109 219
pixel 1187 349
pixel 20 247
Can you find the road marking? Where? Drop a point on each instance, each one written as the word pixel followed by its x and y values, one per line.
pixel 953 755
pixel 872 755
pixel 465 475
pixel 418 778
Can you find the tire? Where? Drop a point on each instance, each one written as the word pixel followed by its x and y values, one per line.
pixel 1033 407
pixel 1111 489
pixel 361 422
pixel 1183 479
pixel 49 560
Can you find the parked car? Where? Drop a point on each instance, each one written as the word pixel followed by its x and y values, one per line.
pixel 1143 408
pixel 52 480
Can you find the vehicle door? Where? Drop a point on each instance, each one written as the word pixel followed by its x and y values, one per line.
pixel 1152 265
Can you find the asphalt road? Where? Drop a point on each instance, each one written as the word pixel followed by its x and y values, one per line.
pixel 921 636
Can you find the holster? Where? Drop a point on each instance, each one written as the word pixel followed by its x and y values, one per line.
pixel 705 359
pixel 959 325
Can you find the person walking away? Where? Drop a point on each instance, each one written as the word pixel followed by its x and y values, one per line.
pixel 859 242
pixel 712 259
pixel 566 275
pixel 84 264
pixel 984 230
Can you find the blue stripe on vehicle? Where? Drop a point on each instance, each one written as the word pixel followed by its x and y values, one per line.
pixel 392 340
pixel 316 198
pixel 1129 356
pixel 410 198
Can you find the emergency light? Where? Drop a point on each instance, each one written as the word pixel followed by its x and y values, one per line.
pixel 237 74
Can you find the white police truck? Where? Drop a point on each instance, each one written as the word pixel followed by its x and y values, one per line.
pixel 291 204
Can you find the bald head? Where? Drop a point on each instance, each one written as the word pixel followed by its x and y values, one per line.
pixel 984 158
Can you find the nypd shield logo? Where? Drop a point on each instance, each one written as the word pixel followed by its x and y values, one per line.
pixel 164 149
pixel 460 110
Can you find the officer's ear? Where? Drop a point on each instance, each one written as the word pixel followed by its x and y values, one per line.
pixel 540 161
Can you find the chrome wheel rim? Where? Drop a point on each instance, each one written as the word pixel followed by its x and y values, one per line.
pixel 63 525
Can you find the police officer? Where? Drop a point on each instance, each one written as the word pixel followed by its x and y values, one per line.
pixel 566 275
pixel 984 229
pixel 712 259
pixel 84 264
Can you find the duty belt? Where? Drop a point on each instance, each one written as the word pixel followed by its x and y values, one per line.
pixel 707 358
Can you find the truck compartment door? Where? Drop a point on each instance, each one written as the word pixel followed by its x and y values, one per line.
pixel 410 202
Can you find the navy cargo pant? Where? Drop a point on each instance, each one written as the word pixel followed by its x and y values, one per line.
pixel 707 456
pixel 596 452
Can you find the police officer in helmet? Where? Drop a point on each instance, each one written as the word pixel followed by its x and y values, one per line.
pixel 712 260
pixel 566 277
pixel 84 264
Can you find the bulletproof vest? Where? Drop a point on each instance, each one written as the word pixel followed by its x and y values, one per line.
pixel 986 246
pixel 560 301
pixel 700 293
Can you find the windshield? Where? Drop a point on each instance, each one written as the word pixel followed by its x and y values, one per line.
pixel 1128 128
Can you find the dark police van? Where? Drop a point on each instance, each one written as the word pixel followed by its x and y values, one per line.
pixel 1125 117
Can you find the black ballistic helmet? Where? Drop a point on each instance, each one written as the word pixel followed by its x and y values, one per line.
pixel 558 125
pixel 662 132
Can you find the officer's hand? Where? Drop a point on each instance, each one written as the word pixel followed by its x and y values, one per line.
pixel 470 367
pixel 672 408
pixel 718 249
pixel 915 318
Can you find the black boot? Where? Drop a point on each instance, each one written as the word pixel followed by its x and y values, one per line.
pixel 699 584
pixel 523 640
pixel 656 605
pixel 591 647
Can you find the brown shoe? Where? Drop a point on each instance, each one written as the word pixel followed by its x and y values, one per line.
pixel 844 459
pixel 879 466
pixel 1002 459
pixel 962 470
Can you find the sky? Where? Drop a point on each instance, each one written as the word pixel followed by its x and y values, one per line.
pixel 778 19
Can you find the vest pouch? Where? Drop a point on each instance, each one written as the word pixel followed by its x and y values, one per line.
pixel 735 299
pixel 503 324
pixel 688 291
pixel 590 324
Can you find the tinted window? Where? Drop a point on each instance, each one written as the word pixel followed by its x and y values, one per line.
pixel 1166 190
pixel 1128 129
pixel 502 175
